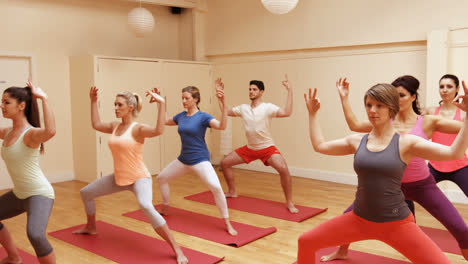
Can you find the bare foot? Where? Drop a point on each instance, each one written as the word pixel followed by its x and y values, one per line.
pixel 340 253
pixel 164 209
pixel 85 231
pixel 230 194
pixel 11 260
pixel 229 228
pixel 292 209
pixel 182 259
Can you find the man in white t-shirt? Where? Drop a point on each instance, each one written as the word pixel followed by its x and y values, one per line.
pixel 260 145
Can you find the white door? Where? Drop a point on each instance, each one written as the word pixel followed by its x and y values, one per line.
pixel 118 75
pixel 178 75
pixel 14 71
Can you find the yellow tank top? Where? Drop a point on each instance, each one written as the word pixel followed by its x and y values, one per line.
pixel 22 163
pixel 128 158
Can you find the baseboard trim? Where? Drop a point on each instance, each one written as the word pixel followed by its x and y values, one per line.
pixel 60 177
pixel 455 196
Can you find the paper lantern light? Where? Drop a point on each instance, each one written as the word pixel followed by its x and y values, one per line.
pixel 140 21
pixel 279 7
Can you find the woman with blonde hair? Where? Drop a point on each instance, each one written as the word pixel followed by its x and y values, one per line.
pixel 130 172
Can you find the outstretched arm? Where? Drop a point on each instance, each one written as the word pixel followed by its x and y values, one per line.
pixel 433 151
pixel 287 110
pixel 342 146
pixel 354 124
pixel 95 118
pixel 148 131
pixel 39 134
pixel 221 125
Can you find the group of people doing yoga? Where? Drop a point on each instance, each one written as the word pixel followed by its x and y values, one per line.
pixel 389 161
pixel 32 193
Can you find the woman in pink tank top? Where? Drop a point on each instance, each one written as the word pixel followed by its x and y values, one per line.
pixel 454 170
pixel 130 172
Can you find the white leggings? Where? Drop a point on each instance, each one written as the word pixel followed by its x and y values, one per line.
pixel 142 188
pixel 207 174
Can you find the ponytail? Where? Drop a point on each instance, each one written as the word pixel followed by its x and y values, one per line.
pixel 31 110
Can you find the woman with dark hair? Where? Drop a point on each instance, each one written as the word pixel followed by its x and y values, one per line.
pixel 454 170
pixel 130 172
pixel 380 158
pixel 194 156
pixel 417 183
pixel 32 192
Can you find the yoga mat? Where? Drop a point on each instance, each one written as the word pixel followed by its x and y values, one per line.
pixel 443 239
pixel 357 257
pixel 27 258
pixel 128 247
pixel 260 206
pixel 208 227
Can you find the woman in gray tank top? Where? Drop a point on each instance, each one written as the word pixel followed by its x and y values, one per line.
pixel 380 211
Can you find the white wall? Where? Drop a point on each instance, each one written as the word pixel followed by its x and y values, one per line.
pixel 243 26
pixel 53 30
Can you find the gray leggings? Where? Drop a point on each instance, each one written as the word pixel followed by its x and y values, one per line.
pixel 142 188
pixel 38 210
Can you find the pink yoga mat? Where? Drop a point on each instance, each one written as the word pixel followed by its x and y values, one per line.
pixel 261 207
pixel 357 257
pixel 443 239
pixel 128 247
pixel 27 258
pixel 208 227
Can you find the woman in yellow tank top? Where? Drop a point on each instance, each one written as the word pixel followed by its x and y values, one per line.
pixel 32 192
pixel 130 172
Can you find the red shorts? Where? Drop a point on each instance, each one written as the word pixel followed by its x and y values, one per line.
pixel 249 155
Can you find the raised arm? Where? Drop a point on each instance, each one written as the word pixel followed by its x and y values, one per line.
pixel 42 134
pixel 148 131
pixel 287 110
pixel 221 125
pixel 444 125
pixel 354 124
pixel 95 118
pixel 337 147
pixel 433 151
pixel 220 86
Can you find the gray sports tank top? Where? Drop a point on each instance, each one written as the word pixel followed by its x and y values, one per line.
pixel 379 197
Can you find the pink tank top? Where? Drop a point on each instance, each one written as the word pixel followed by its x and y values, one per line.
pixel 416 169
pixel 128 158
pixel 447 139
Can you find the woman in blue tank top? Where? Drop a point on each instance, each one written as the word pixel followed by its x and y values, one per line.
pixel 194 155
pixel 380 211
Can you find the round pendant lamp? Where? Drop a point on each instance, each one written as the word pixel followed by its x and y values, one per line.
pixel 279 7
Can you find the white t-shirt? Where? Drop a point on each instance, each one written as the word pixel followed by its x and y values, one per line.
pixel 257 123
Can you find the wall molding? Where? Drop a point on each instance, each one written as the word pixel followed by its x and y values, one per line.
pixel 301 54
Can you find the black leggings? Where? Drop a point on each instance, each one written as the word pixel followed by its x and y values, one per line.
pixel 38 209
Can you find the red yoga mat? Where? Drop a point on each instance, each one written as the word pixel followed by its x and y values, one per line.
pixel 27 258
pixel 208 227
pixel 357 257
pixel 443 239
pixel 128 247
pixel 260 206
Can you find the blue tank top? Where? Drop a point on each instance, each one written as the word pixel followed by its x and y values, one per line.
pixel 379 197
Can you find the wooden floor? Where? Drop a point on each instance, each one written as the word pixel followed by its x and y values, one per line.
pixel 277 248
